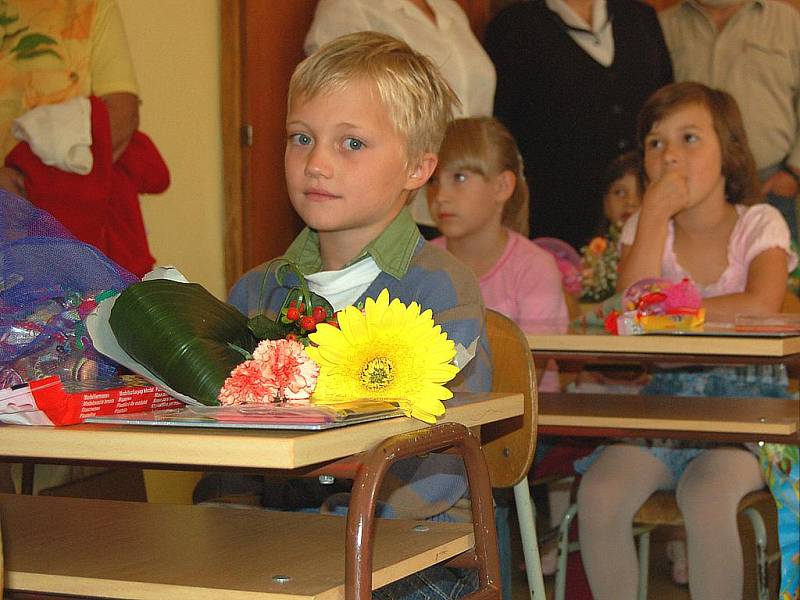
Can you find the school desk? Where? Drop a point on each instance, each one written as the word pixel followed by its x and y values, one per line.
pixel 137 550
pixel 615 415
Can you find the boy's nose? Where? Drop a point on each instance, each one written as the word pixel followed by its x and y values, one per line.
pixel 317 164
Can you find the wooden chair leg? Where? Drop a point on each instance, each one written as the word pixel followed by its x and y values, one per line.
pixel 361 514
pixel 526 514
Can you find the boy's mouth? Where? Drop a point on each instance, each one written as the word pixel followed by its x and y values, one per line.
pixel 319 194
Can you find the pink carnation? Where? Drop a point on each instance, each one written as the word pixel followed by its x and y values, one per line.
pixel 280 370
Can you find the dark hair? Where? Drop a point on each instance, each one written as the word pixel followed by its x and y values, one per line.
pixel 624 164
pixel 619 167
pixel 738 166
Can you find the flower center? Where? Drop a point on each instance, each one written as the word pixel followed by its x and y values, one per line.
pixel 377 373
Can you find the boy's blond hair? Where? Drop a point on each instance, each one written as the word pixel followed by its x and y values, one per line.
pixel 484 146
pixel 419 100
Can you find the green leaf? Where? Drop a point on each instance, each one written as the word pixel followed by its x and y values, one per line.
pixel 181 333
pixel 35 53
pixel 265 328
pixel 6 20
pixel 247 355
pixel 32 41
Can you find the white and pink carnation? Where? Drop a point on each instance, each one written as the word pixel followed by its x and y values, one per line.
pixel 280 370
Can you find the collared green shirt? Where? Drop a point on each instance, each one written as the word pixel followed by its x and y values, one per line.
pixel 391 250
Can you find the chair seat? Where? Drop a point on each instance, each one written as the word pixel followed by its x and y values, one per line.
pixel 662 508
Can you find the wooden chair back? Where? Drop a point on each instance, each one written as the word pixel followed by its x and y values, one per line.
pixel 509 445
pixel 791 303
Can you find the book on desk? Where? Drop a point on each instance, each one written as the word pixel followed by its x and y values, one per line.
pixel 262 416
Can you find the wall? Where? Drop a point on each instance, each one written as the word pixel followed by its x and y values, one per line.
pixel 176 46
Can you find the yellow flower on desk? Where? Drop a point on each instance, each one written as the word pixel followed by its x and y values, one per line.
pixel 388 350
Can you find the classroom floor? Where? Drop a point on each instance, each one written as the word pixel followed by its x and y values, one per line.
pixel 660 585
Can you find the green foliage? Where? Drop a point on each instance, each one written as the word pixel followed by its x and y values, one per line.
pixel 33 45
pixel 182 334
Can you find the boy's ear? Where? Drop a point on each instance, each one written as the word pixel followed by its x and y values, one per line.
pixel 504 185
pixel 422 170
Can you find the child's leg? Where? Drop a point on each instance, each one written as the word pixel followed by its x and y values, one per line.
pixel 610 493
pixel 708 494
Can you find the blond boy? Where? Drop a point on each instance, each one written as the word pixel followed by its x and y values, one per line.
pixel 366 115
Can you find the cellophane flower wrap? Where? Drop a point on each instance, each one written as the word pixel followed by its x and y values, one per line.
pixel 49 282
pixel 658 304
pixel 599 262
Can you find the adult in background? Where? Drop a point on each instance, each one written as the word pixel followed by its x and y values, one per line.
pixel 437 28
pixel 69 114
pixel 571 78
pixel 750 49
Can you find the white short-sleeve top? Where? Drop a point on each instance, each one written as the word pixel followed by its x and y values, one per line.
pixel 449 43
pixel 759 228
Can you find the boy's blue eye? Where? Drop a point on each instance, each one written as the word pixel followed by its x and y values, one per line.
pixel 691 137
pixel 459 177
pixel 653 143
pixel 353 144
pixel 301 139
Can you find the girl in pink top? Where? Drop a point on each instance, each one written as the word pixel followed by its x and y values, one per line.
pixel 478 199
pixel 693 222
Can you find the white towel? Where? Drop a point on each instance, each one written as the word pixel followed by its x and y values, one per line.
pixel 59 134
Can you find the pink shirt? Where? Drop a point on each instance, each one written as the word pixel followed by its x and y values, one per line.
pixel 759 228
pixel 525 286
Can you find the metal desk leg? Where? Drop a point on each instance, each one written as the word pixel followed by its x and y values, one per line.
pixel 526 514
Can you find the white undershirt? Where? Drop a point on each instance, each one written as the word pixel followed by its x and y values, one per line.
pixel 598 40
pixel 342 288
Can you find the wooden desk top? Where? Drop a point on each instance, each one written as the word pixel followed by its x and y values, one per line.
pixel 239 448
pixel 744 419
pixel 156 551
pixel 708 345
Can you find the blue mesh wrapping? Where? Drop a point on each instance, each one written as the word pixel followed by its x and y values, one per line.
pixel 48 281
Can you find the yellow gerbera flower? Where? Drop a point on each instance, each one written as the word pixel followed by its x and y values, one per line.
pixel 389 351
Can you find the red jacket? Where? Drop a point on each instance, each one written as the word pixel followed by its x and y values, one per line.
pixel 102 207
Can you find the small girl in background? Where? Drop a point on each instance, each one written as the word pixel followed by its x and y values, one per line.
pixel 700 218
pixel 478 199
pixel 622 194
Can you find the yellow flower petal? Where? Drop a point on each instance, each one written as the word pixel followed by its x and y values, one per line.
pixel 389 351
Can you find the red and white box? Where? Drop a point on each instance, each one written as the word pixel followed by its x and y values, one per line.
pixel 47 402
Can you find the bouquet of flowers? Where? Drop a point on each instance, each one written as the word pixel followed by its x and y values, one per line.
pixel 599 266
pixel 208 351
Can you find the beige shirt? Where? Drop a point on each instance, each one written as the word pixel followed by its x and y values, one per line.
pixel 756 58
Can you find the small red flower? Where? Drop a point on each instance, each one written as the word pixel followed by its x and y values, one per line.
pixel 292 313
pixel 319 314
